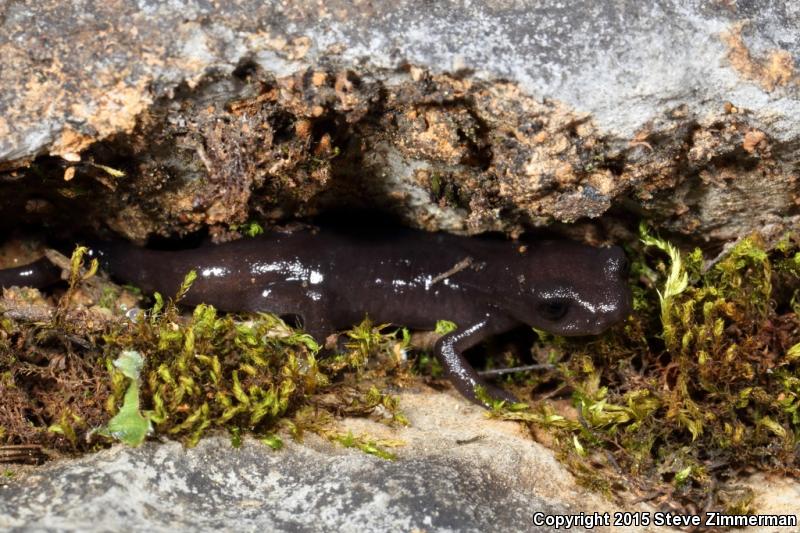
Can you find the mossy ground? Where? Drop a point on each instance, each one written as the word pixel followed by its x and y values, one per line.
pixel 701 383
pixel 66 387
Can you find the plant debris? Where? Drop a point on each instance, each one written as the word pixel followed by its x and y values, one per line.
pixel 177 376
pixel 700 384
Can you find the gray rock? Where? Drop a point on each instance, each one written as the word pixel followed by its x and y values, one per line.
pixel 676 109
pixel 457 471
pixel 624 63
pixel 214 487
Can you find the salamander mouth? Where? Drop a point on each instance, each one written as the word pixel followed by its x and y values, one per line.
pixel 586 330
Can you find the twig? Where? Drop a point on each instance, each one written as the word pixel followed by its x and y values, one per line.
pixel 458 267
pixel 22 453
pixel 512 369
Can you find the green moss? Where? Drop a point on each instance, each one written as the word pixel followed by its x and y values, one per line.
pixel 108 298
pixel 436 185
pixel 701 381
pixel 215 372
pixel 366 444
pixel 443 327
pixel 428 365
pixel 445 188
pixel 250 374
pixel 250 228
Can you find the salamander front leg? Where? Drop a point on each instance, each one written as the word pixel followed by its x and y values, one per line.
pixel 449 350
pixel 288 301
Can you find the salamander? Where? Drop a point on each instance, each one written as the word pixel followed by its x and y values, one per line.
pixel 38 274
pixel 332 279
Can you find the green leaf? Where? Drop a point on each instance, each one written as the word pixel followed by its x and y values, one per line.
pixel 773 426
pixel 253 229
pixel 236 437
pixel 578 446
pixel 677 279
pixel 190 277
pixel 113 172
pixel 129 425
pixel 130 363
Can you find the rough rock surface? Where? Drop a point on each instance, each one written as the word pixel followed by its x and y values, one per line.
pixel 489 116
pixel 492 115
pixel 455 473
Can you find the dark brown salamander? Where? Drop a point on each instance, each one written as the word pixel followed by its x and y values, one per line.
pixel 38 274
pixel 332 280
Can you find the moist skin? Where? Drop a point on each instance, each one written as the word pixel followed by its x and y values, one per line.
pixel 332 279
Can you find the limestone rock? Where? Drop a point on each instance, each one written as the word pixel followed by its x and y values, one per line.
pixel 495 115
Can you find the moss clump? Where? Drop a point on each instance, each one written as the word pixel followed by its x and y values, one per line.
pixel 207 371
pixel 212 371
pixel 701 382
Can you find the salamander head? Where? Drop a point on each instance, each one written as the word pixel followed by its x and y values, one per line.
pixel 573 289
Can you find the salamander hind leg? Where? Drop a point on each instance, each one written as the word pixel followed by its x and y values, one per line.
pixel 449 350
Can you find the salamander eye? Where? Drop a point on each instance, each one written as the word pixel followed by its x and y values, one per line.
pixel 553 309
pixel 617 263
